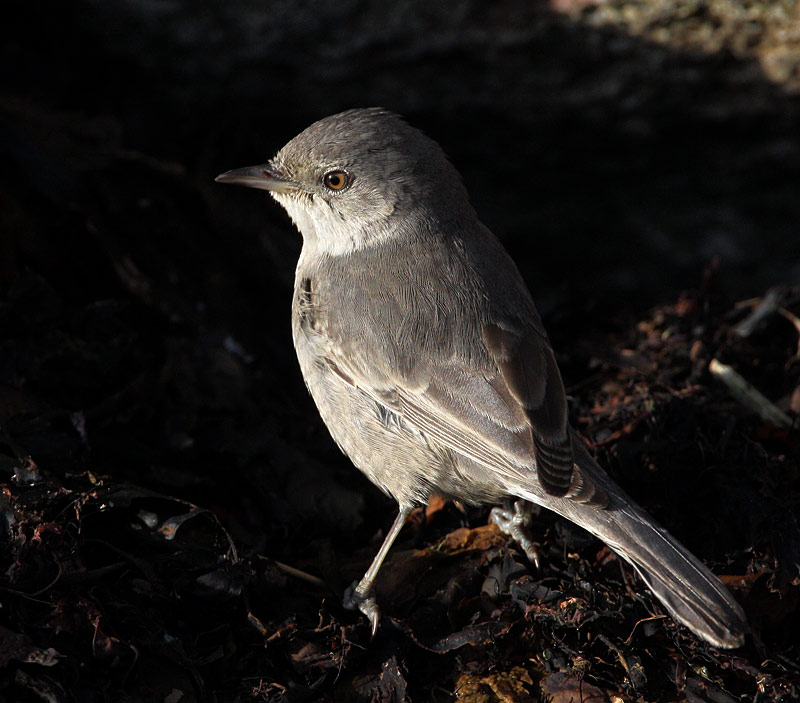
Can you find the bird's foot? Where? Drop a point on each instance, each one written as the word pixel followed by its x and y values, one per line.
pixel 515 522
pixel 356 598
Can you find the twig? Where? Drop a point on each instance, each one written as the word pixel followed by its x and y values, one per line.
pixel 786 314
pixel 749 396
pixel 764 308
pixel 302 575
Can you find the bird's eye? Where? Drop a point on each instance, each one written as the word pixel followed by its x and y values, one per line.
pixel 335 180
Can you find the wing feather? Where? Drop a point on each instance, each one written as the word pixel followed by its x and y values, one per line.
pixel 531 375
pixel 508 414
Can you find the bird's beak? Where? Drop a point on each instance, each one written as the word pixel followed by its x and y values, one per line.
pixel 264 177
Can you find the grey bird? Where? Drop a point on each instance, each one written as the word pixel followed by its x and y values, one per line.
pixel 426 357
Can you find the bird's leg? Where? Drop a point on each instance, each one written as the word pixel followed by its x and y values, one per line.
pixel 515 522
pixel 360 595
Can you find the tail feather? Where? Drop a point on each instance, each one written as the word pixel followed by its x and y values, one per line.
pixel 685 586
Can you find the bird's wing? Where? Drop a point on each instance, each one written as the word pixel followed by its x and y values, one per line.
pixel 507 411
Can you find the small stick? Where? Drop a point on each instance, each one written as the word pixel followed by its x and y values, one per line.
pixel 302 575
pixel 795 323
pixel 749 396
pixel 764 308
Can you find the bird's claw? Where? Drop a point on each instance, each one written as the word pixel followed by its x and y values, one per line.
pixel 357 599
pixel 515 523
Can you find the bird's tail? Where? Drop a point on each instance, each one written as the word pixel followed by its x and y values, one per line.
pixel 688 590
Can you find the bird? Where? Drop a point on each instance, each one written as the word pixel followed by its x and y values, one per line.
pixel 422 348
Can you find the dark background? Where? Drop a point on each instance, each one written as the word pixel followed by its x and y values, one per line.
pixel 622 152
pixel 616 148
